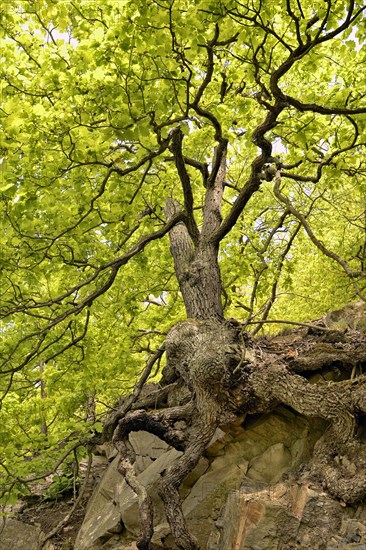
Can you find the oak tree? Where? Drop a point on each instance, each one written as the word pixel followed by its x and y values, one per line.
pixel 177 175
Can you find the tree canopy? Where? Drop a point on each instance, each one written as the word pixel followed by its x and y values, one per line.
pixel 241 124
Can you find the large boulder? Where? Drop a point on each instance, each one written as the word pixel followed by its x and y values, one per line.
pixel 285 515
pixel 16 535
pixel 206 498
pixel 243 494
pixel 113 507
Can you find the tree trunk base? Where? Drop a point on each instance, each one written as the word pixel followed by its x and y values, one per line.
pixel 225 375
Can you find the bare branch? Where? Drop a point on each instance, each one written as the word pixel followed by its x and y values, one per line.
pixel 319 244
pixel 272 298
pixel 176 147
pixel 65 520
pixel 253 183
pixel 111 424
pixel 113 267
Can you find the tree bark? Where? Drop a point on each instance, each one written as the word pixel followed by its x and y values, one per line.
pixel 197 270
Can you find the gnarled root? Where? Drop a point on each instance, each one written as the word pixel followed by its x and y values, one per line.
pixel 202 431
pixel 157 423
pixel 341 467
pixel 338 459
pixel 125 468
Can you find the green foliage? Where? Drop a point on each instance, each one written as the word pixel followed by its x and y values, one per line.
pixel 61 486
pixel 90 92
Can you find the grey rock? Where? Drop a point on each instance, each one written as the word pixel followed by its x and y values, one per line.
pixel 271 465
pixel 127 500
pixel 102 517
pixel 234 498
pixel 16 535
pixel 146 444
pixel 207 496
pixel 284 516
pixel 113 506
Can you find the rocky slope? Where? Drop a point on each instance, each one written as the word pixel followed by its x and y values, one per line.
pixel 251 489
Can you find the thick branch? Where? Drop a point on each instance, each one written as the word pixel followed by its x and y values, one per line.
pixel 176 148
pixel 314 108
pixel 253 183
pixel 209 67
pixel 197 268
pixel 195 104
pixel 181 245
pixel 214 193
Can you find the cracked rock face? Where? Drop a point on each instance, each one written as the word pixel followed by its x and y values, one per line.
pixel 243 494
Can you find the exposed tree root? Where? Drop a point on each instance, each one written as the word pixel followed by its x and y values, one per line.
pixel 202 431
pixel 125 468
pixel 162 425
pixel 225 374
pixel 339 455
